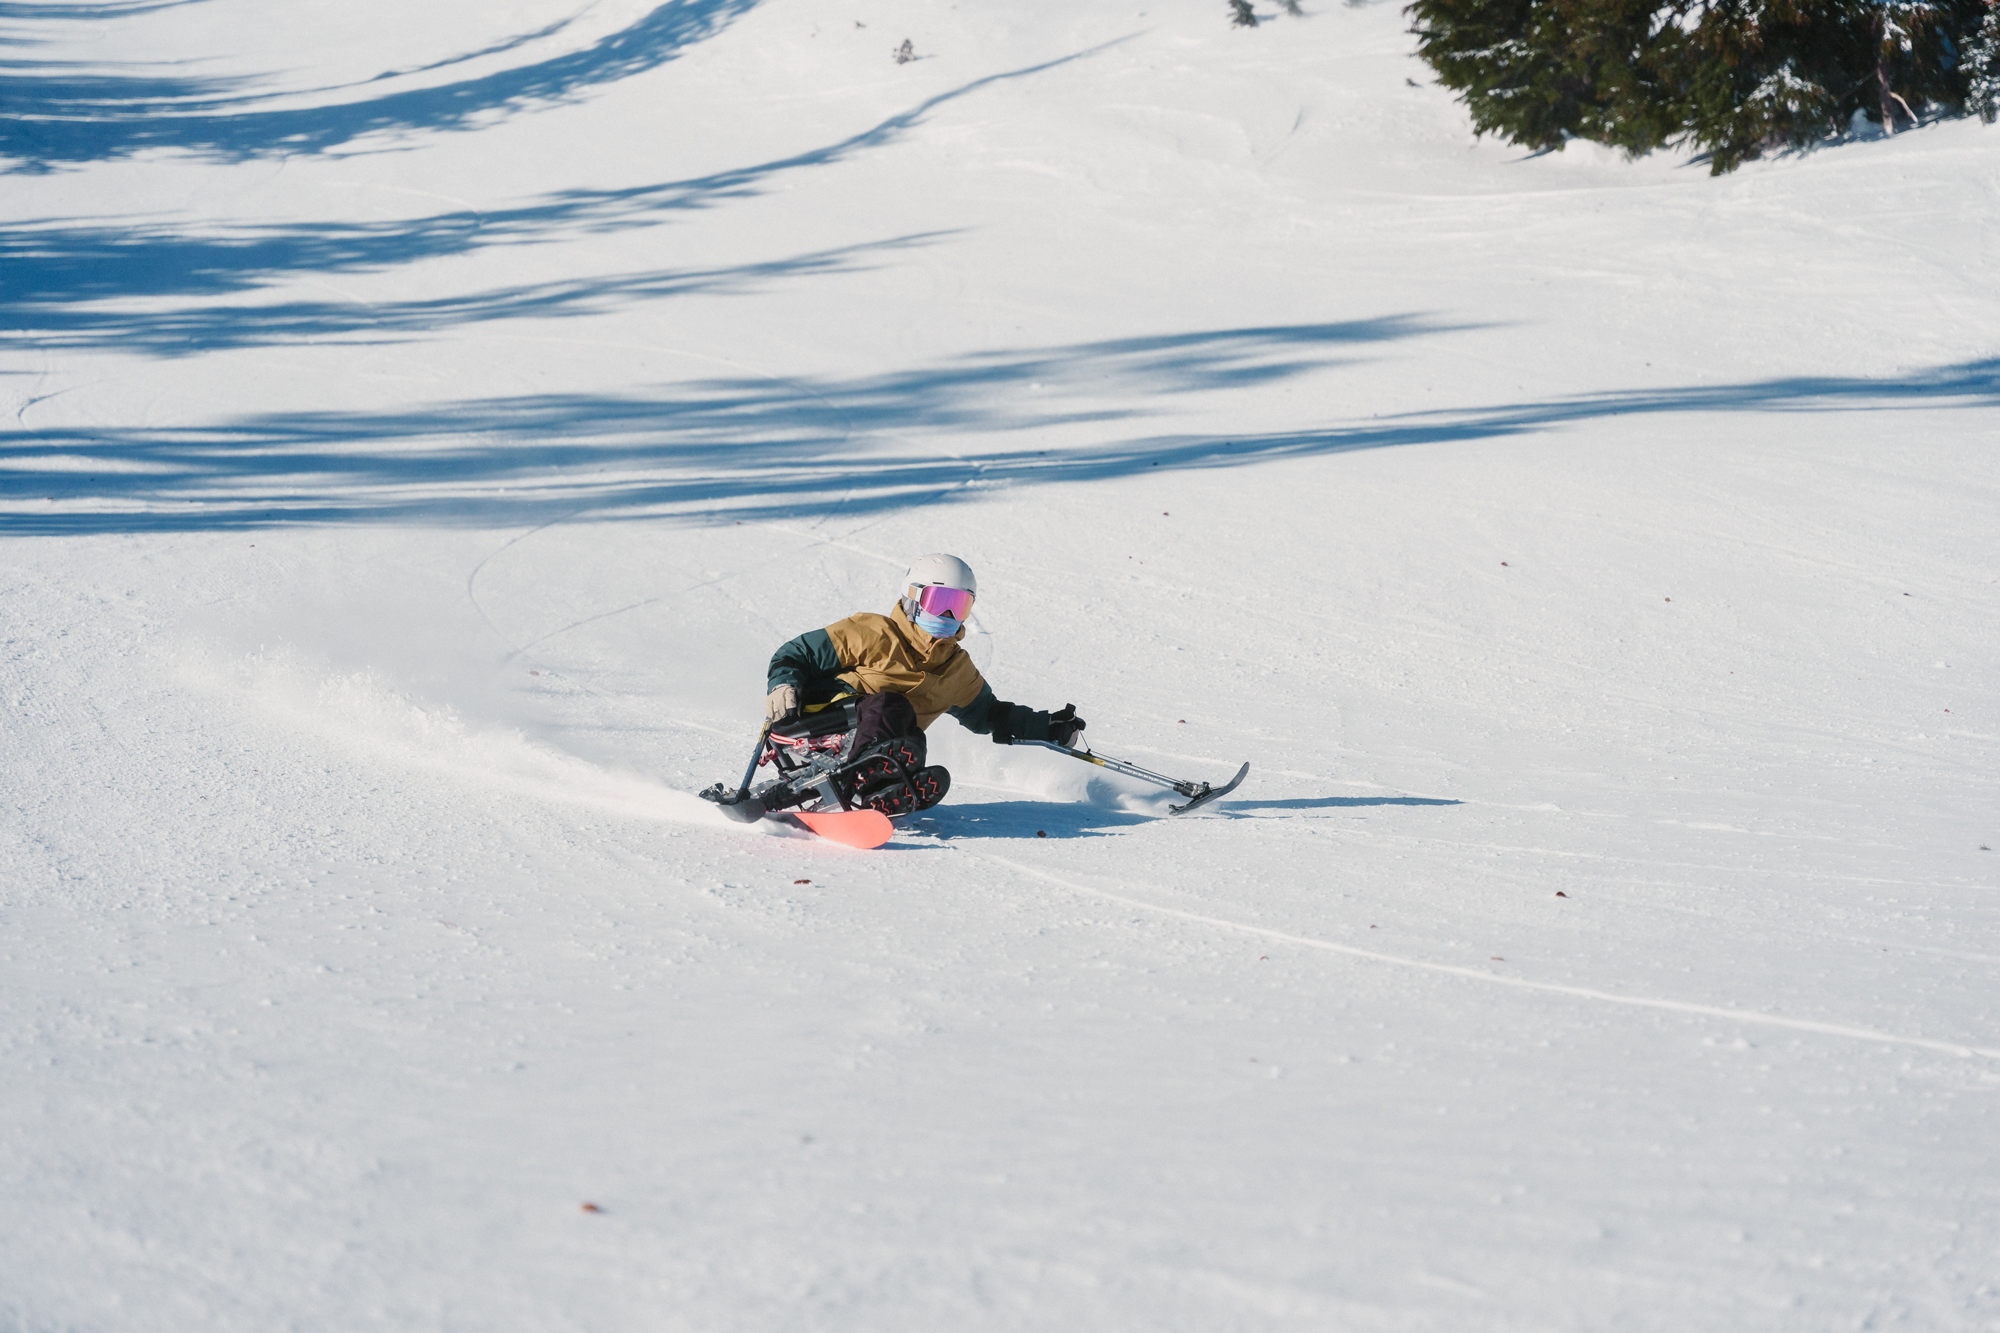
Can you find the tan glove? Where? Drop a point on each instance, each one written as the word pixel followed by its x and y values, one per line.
pixel 781 704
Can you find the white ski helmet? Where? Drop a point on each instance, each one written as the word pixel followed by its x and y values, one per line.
pixel 940 570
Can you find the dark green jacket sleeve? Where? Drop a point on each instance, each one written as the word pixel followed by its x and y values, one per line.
pixel 1004 722
pixel 808 663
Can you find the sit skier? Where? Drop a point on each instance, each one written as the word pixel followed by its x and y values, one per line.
pixel 861 692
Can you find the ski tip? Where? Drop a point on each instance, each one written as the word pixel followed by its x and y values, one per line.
pixel 853 828
pixel 742 808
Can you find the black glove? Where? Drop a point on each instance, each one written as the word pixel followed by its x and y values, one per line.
pixel 1065 725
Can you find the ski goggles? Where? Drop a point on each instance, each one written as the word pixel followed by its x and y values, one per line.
pixel 938 601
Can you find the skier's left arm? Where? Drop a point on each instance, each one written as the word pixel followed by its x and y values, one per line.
pixel 989 715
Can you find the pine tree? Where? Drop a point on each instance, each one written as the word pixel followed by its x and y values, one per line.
pixel 1733 78
pixel 1982 68
pixel 1240 15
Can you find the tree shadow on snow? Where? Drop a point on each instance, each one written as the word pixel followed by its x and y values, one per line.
pixel 734 447
pixel 13 11
pixel 712 450
pixel 56 113
pixel 724 450
pixel 50 289
pixel 102 285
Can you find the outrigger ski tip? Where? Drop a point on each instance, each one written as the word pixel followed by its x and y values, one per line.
pixel 1204 793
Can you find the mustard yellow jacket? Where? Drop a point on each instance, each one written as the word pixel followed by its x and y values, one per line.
pixel 876 654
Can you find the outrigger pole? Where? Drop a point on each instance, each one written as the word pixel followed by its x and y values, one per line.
pixel 1198 793
pixel 740 806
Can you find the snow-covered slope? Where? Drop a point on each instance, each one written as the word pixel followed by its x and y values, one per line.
pixel 422 423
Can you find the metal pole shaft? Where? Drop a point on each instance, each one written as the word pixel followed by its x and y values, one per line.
pixel 743 788
pixel 1115 765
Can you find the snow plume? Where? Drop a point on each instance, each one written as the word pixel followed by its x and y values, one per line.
pixel 378 719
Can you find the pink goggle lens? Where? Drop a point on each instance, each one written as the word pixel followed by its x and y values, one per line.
pixel 938 600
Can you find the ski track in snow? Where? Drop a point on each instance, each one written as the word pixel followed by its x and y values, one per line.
pixel 1516 983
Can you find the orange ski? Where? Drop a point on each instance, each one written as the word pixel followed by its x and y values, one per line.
pixel 856 828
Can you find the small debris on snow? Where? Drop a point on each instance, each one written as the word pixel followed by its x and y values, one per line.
pixel 1503 564
pixel 1495 958
pixel 534 673
pixel 1561 894
pixel 801 881
pixel 1184 720
pixel 591 1208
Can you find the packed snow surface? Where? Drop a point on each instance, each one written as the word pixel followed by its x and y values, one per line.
pixel 423 421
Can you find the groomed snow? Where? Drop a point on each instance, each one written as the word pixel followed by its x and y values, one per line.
pixel 407 477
